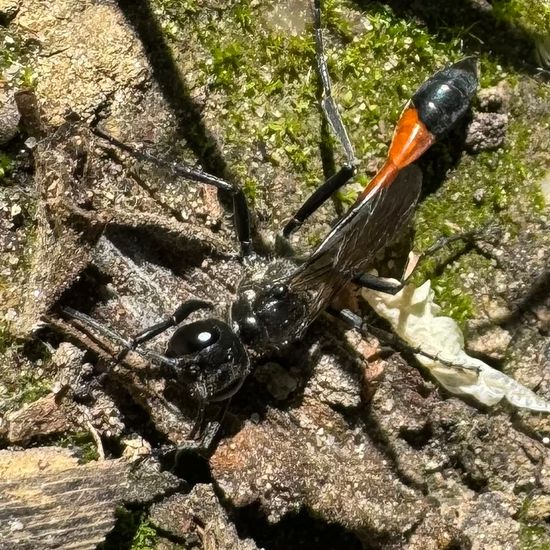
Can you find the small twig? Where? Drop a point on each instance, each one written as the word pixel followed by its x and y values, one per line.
pixel 97 438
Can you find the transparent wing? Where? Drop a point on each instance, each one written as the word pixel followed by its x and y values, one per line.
pixel 352 243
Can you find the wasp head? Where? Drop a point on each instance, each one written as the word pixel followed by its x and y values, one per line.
pixel 211 359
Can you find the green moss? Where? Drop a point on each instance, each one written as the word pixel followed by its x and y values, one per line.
pixel 34 390
pixel 250 189
pixel 508 180
pixel 24 370
pixel 81 441
pixel 377 72
pixel 491 72
pixel 145 536
pixel 28 78
pixel 6 165
pixel 533 536
pixel 346 196
pixel 6 339
pixel 225 62
pixel 14 62
pixel 262 72
pixel 133 531
pixel 27 386
pixel 450 290
pixel 254 66
pixel 20 271
pixel 532 15
pixel 336 19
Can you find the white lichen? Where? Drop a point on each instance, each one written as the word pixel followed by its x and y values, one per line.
pixel 415 318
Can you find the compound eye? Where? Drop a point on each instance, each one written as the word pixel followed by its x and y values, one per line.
pixel 193 338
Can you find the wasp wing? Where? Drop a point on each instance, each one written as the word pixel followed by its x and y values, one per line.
pixel 349 248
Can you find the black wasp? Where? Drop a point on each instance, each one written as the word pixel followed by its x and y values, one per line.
pixel 276 303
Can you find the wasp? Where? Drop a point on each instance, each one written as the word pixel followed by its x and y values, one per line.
pixel 278 299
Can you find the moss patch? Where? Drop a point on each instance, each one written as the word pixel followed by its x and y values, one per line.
pixel 533 536
pixel 14 61
pixel 508 182
pixel 133 531
pixel 83 443
pixel 532 15
pixel 25 370
pixel 6 165
pixel 261 67
pixel 259 63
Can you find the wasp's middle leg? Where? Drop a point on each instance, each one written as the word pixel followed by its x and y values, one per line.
pixel 355 321
pixel 348 170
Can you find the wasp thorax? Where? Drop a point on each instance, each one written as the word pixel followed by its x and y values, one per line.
pixel 270 316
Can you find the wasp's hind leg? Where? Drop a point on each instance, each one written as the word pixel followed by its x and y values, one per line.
pixel 241 211
pixel 392 340
pixel 388 286
pixel 330 110
pixel 489 234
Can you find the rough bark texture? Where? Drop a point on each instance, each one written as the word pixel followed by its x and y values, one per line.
pixel 328 445
pixel 49 500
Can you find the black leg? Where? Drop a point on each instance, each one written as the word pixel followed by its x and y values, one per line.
pixel 199 421
pixel 328 104
pixel 380 284
pixel 442 242
pixel 489 233
pixel 201 436
pixel 200 428
pixel 373 282
pixel 240 206
pixel 169 363
pixel 388 338
pixel 326 189
pixel 318 198
pixel 181 313
pixel 203 445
